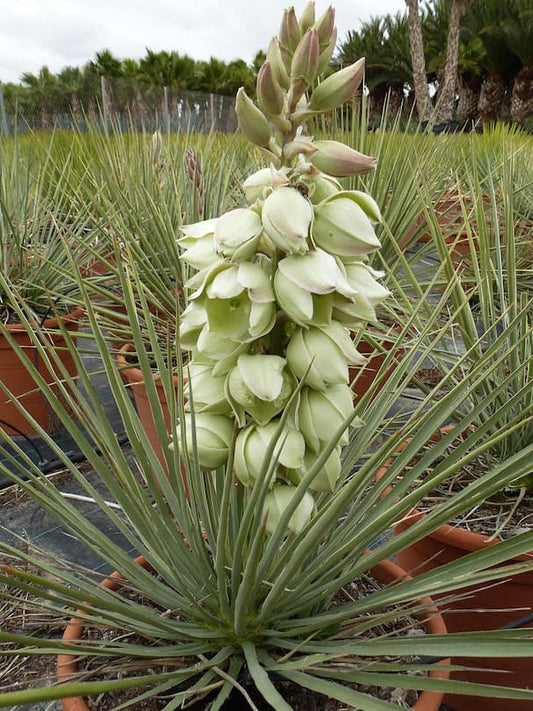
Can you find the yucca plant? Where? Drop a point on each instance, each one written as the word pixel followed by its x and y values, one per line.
pixel 241 595
pixel 37 224
pixel 494 321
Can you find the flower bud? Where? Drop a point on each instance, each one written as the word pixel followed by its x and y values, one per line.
pixel 277 64
pixel 260 385
pixel 270 96
pixel 320 356
pixel 213 438
pixel 322 413
pixel 337 88
pixel 336 159
pixel 325 26
pixel 289 31
pixel 326 478
pixel 327 53
pixel 342 227
pixel 252 121
pixel 252 444
pixel 305 59
pixel 278 499
pixel 237 234
pixel 300 146
pixel 287 216
pixel 307 18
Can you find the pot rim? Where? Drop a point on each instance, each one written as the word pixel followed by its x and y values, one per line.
pixel 51 322
pixel 456 536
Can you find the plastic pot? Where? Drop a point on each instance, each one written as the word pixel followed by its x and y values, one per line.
pixel 16 377
pixel 481 607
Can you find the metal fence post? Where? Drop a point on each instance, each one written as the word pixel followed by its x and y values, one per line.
pixel 166 109
pixel 105 103
pixel 212 107
pixel 3 115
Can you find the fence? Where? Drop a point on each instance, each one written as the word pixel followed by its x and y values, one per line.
pixel 115 104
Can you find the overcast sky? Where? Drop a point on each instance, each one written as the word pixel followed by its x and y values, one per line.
pixel 59 33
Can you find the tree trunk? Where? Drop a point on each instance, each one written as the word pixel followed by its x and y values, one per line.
pixel 418 61
pixel 467 105
pixel 491 98
pixel 522 95
pixel 445 108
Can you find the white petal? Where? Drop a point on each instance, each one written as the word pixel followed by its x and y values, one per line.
pixel 196 230
pixel 262 374
pixel 256 280
pixel 225 285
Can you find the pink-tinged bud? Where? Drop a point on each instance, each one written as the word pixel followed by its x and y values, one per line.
pixel 325 26
pixel 252 121
pixel 327 53
pixel 305 59
pixel 289 32
pixel 269 93
pixel 307 18
pixel 338 88
pixel 299 85
pixel 340 161
pixel 300 146
pixel 277 64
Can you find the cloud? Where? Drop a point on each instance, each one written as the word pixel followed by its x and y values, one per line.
pixel 58 33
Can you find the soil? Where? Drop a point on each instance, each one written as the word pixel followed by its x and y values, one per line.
pixel 506 514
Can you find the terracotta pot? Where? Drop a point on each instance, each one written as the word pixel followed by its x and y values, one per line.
pixel 483 609
pixel 134 379
pixel 385 572
pixel 363 376
pixel 18 379
pixel 67 664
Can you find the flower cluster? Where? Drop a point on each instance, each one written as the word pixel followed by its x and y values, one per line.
pixel 279 284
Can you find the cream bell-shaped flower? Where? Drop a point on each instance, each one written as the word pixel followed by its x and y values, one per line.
pixel 238 300
pixel 305 284
pixel 259 184
pixel 322 413
pixel 277 500
pixel 213 434
pixel 251 446
pixel 259 385
pixel 287 217
pixel 321 186
pixel 208 392
pixel 320 355
pixel 237 234
pixel 327 477
pixel 370 293
pixel 198 244
pixel 342 227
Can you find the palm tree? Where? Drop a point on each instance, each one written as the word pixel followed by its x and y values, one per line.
pixel 43 87
pixel 517 29
pixel 445 108
pixel 500 65
pixel 70 81
pixel 418 62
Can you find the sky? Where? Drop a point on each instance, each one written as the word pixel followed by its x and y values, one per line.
pixel 59 33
